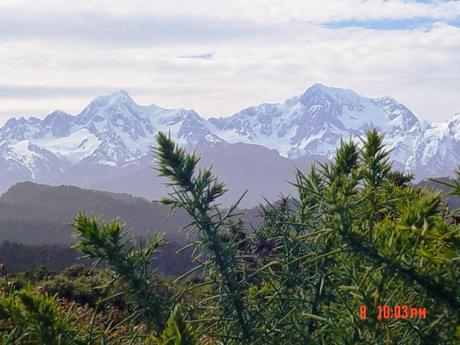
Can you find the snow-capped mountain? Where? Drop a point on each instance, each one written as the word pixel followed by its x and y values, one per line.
pixel 313 124
pixel 112 130
pixel 112 136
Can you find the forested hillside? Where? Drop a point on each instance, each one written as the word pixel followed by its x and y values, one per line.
pixel 40 214
pixel 35 225
pixel 56 258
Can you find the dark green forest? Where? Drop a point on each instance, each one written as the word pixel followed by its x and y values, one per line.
pixel 318 268
pixel 40 215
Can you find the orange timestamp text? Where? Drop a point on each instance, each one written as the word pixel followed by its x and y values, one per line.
pixel 395 312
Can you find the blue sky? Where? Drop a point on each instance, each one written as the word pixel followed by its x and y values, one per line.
pixel 220 56
pixel 416 23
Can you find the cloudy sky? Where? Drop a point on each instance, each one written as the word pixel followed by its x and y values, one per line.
pixel 218 56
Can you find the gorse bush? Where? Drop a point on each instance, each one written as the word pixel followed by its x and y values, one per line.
pixel 197 194
pixel 356 234
pixel 35 319
pixel 176 331
pixel 131 264
pixel 356 237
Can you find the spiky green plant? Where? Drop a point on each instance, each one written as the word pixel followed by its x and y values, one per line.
pixel 131 263
pixel 176 332
pixel 356 234
pixel 196 191
pixel 375 236
pixel 28 318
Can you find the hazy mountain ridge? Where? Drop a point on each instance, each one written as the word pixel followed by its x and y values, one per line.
pixel 37 214
pixel 40 214
pixel 35 225
pixel 111 139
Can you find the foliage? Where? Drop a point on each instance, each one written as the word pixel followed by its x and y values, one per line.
pixel 83 286
pixel 130 263
pixel 197 193
pixel 27 318
pixel 356 234
pixel 176 332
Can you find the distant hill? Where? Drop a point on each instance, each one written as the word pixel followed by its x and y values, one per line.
pixel 36 214
pixel 35 225
pixel 21 257
pixel 39 214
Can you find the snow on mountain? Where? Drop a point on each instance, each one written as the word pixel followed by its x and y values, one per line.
pixel 114 131
pixel 125 129
pixel 314 123
pixel 110 130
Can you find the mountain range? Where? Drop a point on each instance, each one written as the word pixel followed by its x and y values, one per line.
pixel 108 144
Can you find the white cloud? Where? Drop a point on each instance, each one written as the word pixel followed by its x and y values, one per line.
pixel 56 54
pixel 78 13
pixel 280 11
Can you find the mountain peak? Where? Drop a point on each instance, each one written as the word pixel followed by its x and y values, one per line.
pixel 56 115
pixel 119 97
pixel 117 102
pixel 121 94
pixel 455 120
pixel 316 88
pixel 338 94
